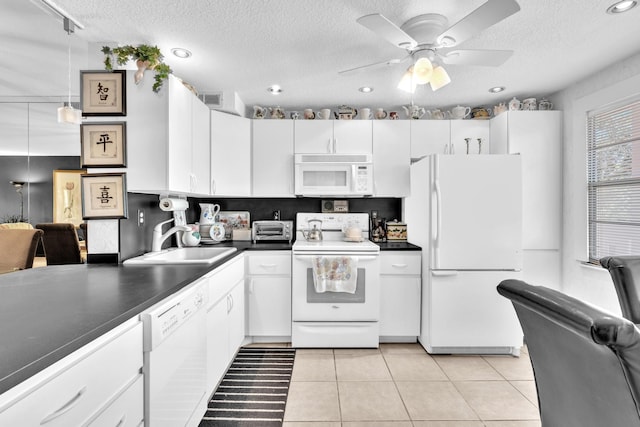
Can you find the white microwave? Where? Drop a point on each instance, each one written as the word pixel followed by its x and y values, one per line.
pixel 349 175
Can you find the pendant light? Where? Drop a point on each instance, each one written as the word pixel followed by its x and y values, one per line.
pixel 68 114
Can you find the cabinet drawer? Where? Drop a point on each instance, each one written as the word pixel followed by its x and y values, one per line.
pixel 73 396
pixel 271 264
pixel 222 280
pixel 402 263
pixel 126 410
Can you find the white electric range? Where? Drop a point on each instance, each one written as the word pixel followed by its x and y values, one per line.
pixel 335 316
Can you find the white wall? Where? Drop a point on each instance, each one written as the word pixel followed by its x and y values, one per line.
pixel 612 84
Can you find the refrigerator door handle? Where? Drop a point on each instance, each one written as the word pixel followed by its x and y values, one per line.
pixel 438 221
pixel 443 273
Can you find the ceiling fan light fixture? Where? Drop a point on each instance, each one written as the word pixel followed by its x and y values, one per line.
pixel 407 82
pixel 422 71
pixel 439 78
pixel 622 6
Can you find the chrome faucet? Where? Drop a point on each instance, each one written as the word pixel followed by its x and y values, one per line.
pixel 159 238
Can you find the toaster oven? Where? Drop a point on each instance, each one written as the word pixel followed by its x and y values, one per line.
pixel 272 231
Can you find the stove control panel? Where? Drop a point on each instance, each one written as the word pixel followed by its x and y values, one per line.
pixel 334 221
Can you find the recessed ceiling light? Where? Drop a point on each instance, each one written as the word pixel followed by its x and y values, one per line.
pixel 497 89
pixel 365 89
pixel 622 6
pixel 180 52
pixel 275 89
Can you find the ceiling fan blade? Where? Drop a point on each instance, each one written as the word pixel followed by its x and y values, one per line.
pixel 488 58
pixel 374 65
pixel 387 30
pixel 490 13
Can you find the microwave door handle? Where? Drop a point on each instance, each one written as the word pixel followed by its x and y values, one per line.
pixel 353 178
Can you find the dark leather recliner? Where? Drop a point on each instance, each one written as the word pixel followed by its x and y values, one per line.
pixel 586 362
pixel 625 272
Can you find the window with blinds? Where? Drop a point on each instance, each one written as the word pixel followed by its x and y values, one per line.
pixel 613 156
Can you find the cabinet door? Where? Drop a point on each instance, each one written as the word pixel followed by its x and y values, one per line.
pixel 536 136
pixel 391 158
pixel 235 315
pixel 473 129
pixel 180 137
pixel 499 126
pixel 429 137
pixel 313 136
pixel 352 136
pixel 269 302
pixel 400 306
pixel 200 152
pixel 272 150
pixel 217 343
pixel 230 155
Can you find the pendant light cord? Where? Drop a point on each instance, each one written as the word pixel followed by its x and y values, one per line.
pixel 69 65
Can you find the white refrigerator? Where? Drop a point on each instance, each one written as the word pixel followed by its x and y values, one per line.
pixel 465 211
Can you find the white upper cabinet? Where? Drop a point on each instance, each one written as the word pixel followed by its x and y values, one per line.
pixel 429 137
pixel 162 135
pixel 230 155
pixel 537 137
pixel 272 151
pixel 391 158
pixel 200 151
pixel 333 136
pixel 180 137
pixel 474 130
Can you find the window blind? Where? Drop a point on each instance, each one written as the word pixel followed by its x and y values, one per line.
pixel 613 164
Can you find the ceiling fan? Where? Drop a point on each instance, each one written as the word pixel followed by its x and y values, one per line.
pixel 429 40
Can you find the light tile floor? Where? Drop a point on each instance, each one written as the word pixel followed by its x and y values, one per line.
pixel 401 385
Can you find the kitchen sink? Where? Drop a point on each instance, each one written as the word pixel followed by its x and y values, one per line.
pixel 197 255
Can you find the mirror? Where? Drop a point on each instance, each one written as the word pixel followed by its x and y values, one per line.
pixel 32 145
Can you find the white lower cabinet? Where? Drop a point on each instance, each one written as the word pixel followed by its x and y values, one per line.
pixel 268 287
pixel 400 295
pixel 96 384
pixel 225 318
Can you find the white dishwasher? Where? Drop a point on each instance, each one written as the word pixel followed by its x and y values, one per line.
pixel 175 368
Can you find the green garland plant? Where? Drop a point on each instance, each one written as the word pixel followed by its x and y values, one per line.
pixel 144 53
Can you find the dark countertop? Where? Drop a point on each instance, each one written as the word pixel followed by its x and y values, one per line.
pixel 48 313
pixel 398 246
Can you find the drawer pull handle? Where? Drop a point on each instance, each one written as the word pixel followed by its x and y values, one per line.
pixel 65 408
pixel 399 265
pixel 268 265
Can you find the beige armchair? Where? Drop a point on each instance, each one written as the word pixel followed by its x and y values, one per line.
pixel 18 248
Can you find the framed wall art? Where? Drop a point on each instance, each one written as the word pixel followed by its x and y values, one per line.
pixel 104 195
pixel 103 144
pixel 67 196
pixel 103 93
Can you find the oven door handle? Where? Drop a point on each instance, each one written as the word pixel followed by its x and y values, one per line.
pixel 359 257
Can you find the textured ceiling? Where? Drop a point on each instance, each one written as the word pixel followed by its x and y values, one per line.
pixel 246 46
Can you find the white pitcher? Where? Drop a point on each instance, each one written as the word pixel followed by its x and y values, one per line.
pixel 208 212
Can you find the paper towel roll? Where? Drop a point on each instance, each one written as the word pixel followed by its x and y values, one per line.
pixel 170 204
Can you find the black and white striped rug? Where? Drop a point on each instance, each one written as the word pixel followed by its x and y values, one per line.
pixel 254 390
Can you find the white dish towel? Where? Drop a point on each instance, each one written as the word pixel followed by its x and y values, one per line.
pixel 335 274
